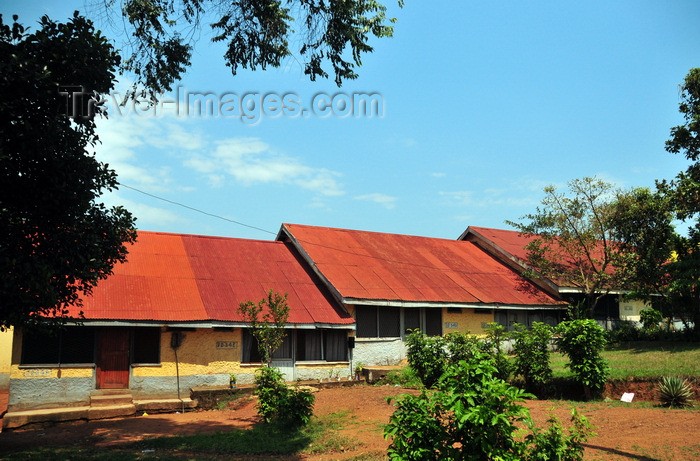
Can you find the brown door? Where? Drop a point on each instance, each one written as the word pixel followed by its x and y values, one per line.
pixel 113 358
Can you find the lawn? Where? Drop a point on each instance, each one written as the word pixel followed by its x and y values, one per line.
pixel 644 360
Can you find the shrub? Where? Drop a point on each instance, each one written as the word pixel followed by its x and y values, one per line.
pixel 404 377
pixel 278 403
pixel 650 318
pixel 675 391
pixel 583 341
pixel 496 335
pixel 427 356
pixel 626 330
pixel 531 348
pixel 553 444
pixel 471 415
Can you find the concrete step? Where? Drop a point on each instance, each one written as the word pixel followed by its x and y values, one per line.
pixel 106 400
pixel 14 419
pixel 164 404
pixel 111 411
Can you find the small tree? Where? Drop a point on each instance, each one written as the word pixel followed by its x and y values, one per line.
pixel 531 349
pixel 267 320
pixel 573 242
pixel 583 341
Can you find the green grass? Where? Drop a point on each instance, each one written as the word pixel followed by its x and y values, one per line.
pixel 643 360
pixel 319 437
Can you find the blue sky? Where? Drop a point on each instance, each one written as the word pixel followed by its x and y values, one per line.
pixel 484 104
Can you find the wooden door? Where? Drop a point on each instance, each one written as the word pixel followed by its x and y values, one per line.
pixel 113 358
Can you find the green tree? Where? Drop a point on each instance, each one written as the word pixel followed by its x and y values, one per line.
pixel 257 34
pixel 573 243
pixel 583 341
pixel 683 291
pixel 643 223
pixel 56 240
pixel 267 319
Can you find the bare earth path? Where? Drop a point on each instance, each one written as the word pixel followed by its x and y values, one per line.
pixel 629 432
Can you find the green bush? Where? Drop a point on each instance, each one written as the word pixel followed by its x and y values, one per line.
pixel 405 377
pixel 531 349
pixel 554 444
pixel 675 391
pixel 625 331
pixel 496 335
pixel 427 356
pixel 472 415
pixel 278 403
pixel 650 318
pixel 583 341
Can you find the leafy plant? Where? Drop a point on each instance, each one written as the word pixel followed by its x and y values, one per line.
pixel 583 341
pixel 267 319
pixel 650 318
pixel 470 415
pixel 553 444
pixel 675 391
pixel 278 403
pixel 404 377
pixel 496 335
pixel 427 356
pixel 531 348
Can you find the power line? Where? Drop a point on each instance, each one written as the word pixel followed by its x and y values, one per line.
pixel 199 211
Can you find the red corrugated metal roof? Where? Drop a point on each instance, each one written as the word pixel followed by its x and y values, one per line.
pixel 513 243
pixel 390 267
pixel 175 277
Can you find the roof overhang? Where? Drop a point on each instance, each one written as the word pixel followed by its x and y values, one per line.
pixel 204 324
pixel 413 304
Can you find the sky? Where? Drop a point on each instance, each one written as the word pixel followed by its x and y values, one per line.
pixel 478 107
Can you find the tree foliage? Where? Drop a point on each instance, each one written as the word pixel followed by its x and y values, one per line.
pixel 56 240
pixel 573 242
pixel 267 320
pixel 257 34
pixel 683 291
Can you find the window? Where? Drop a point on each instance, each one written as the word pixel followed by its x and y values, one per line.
pixel 411 320
pixel 146 345
pixel 366 319
pixel 387 322
pixel 308 345
pixel 72 345
pixel 250 353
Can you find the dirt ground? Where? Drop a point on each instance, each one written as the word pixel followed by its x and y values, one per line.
pixel 636 431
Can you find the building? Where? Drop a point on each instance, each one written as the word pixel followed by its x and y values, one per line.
pixel 509 247
pixel 167 320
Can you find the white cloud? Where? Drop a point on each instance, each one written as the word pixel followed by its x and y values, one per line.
pixel 385 200
pixel 251 161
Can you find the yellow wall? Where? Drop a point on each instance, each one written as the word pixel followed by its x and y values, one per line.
pixel 5 357
pixel 629 309
pixel 467 321
pixel 51 372
pixel 203 352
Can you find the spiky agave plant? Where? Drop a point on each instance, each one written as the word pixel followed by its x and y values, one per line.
pixel 675 391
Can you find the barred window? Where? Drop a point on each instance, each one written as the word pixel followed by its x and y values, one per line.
pixel 146 345
pixel 68 345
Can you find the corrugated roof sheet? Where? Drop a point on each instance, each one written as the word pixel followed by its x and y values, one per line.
pixel 390 267
pixel 179 278
pixel 513 243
